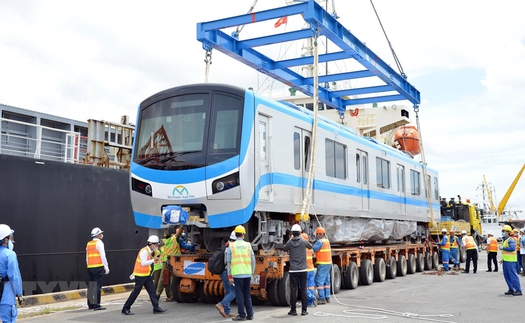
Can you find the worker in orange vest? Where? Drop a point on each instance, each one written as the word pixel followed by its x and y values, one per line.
pixel 492 252
pixel 310 273
pixel 518 252
pixel 444 246
pixel 142 273
pixel 472 251
pixel 323 257
pixel 97 266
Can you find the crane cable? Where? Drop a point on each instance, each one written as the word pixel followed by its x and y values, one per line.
pixel 425 173
pixel 398 63
pixel 307 200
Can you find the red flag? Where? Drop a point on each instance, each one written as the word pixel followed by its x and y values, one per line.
pixel 282 20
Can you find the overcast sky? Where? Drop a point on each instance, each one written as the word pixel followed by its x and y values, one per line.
pixel 99 59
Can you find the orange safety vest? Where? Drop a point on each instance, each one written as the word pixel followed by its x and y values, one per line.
pixel 470 244
pixel 324 255
pixel 139 270
pixel 446 246
pixel 454 242
pixel 517 240
pixel 309 259
pixel 93 256
pixel 493 246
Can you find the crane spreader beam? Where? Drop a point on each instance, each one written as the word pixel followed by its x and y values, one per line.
pixel 391 87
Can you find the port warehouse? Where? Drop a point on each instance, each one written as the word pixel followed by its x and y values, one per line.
pixel 52 202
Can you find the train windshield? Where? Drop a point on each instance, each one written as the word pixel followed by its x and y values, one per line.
pixel 189 131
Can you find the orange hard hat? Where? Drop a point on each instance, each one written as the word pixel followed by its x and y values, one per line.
pixel 319 230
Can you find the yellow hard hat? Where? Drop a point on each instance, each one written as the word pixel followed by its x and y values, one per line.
pixel 516 230
pixel 240 229
pixel 506 227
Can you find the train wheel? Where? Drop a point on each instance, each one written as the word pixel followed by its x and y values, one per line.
pixel 420 262
pixel 391 269
pixel 272 292
pixel 428 264
pixel 435 260
pixel 401 266
pixel 411 264
pixel 351 276
pixel 284 289
pixel 335 279
pixel 379 270
pixel 366 272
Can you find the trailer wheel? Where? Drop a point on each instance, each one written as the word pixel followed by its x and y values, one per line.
pixel 183 297
pixel 401 266
pixel 284 289
pixel 428 264
pixel 411 264
pixel 420 263
pixel 335 279
pixel 202 294
pixel 366 272
pixel 391 269
pixel 351 276
pixel 272 292
pixel 435 260
pixel 379 270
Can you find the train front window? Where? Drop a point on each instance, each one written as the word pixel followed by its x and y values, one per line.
pixel 189 131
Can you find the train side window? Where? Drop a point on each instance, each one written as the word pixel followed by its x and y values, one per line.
pixel 383 173
pixel 415 182
pixel 400 178
pixel 296 151
pixel 364 162
pixel 436 189
pixel 306 153
pixel 427 186
pixel 335 159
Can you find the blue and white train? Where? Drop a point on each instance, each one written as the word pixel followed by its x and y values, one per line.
pixel 229 156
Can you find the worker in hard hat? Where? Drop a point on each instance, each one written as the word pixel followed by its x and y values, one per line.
pixel 97 265
pixel 470 245
pixel 310 273
pixel 224 306
pixel 444 248
pixel 454 248
pixel 297 247
pixel 509 258
pixel 143 278
pixel 516 237
pixel 492 252
pixel 241 264
pixel 10 278
pixel 323 257
pixel 172 247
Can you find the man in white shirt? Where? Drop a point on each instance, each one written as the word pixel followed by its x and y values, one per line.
pixel 97 266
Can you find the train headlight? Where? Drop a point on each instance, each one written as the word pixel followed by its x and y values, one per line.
pixel 225 183
pixel 141 187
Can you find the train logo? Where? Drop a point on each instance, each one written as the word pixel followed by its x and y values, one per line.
pixel 180 192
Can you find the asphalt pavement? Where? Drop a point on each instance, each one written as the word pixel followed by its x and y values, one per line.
pixel 432 296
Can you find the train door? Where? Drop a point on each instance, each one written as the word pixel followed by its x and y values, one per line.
pixel 263 159
pixel 401 189
pixel 361 158
pixel 302 156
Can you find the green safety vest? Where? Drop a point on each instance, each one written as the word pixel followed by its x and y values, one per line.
pixel 241 258
pixel 509 256
pixel 171 247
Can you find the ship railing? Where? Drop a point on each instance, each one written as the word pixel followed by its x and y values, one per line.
pixel 40 142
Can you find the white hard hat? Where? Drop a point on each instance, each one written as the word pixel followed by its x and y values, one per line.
pixel 463 232
pixel 5 231
pixel 443 230
pixel 96 231
pixel 233 236
pixel 296 228
pixel 490 233
pixel 153 239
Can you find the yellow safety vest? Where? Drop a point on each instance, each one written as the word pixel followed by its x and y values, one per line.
pixel 446 246
pixel 470 244
pixel 171 248
pixel 323 256
pixel 453 242
pixel 139 270
pixel 157 264
pixel 241 258
pixel 93 256
pixel 509 256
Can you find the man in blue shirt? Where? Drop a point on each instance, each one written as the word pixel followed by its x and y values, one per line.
pixel 10 276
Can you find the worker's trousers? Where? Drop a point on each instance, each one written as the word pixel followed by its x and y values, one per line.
pixel 147 282
pixel 322 281
pixel 445 255
pixel 310 283
pixel 454 256
pixel 96 276
pixel 511 277
pixel 8 313
pixel 492 258
pixel 472 254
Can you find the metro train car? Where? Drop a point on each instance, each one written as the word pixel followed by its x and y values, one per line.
pixel 228 156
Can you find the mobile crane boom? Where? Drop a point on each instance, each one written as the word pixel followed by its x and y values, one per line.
pixel 507 195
